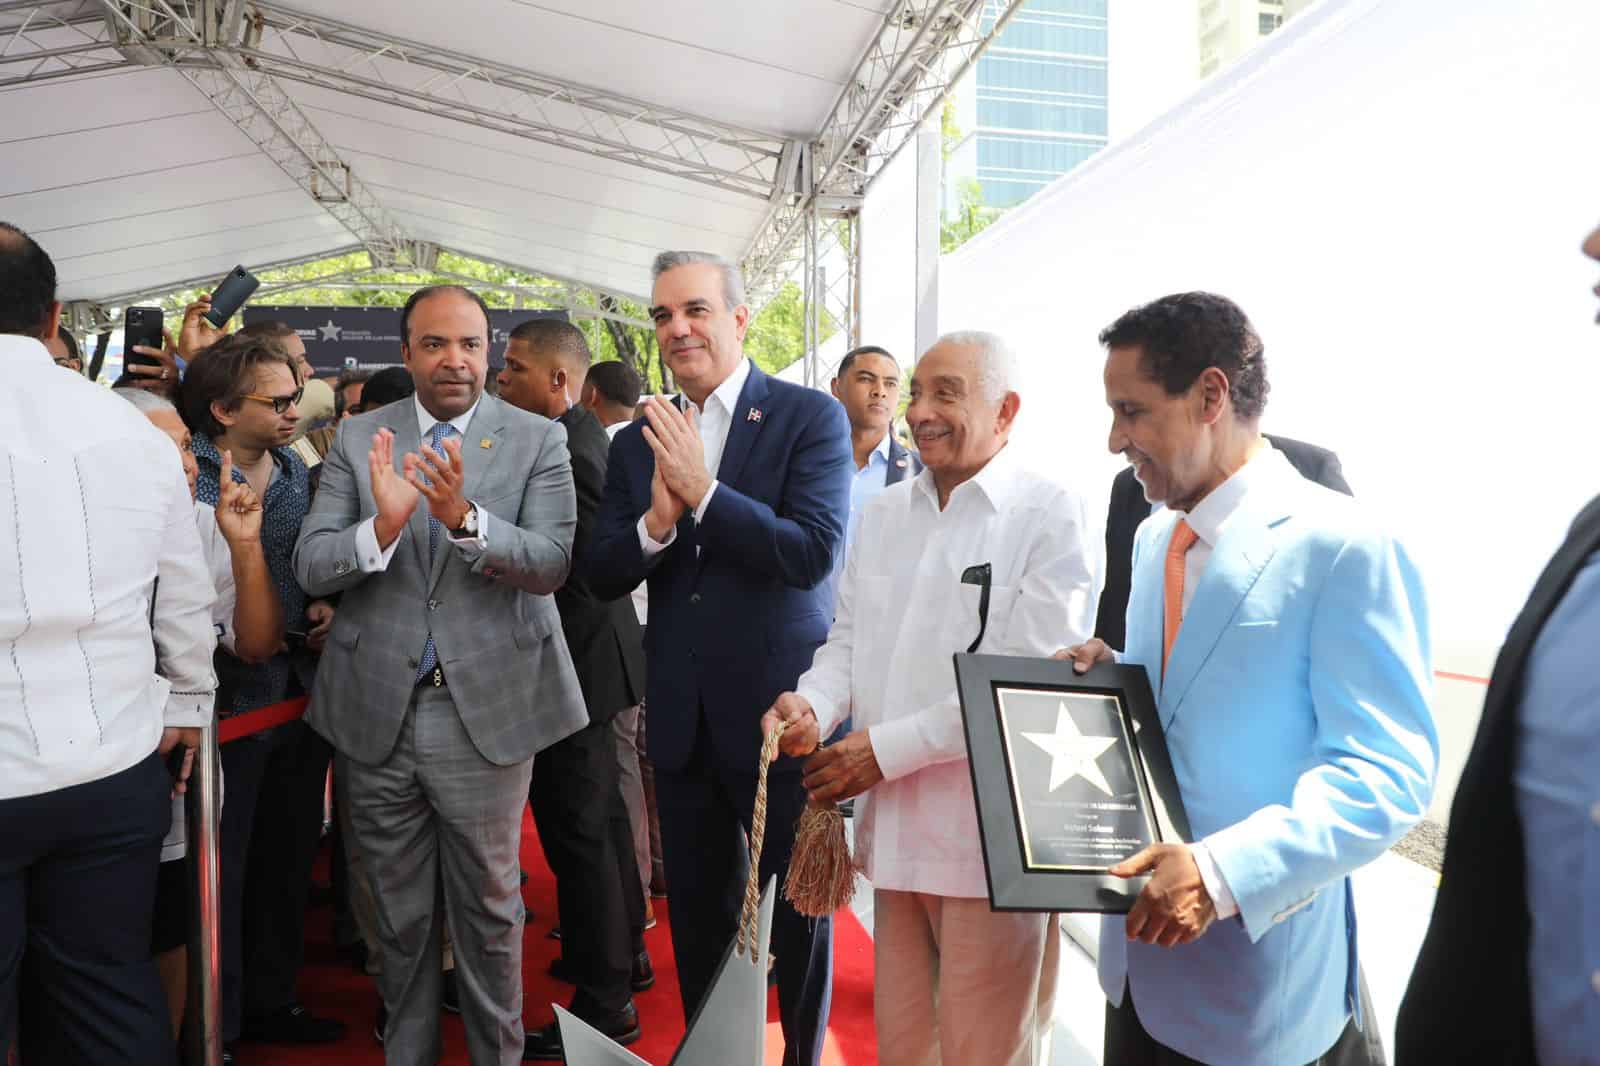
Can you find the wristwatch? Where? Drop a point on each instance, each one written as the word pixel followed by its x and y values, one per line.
pixel 469 523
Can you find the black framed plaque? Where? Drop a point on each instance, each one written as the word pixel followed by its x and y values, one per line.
pixel 1071 774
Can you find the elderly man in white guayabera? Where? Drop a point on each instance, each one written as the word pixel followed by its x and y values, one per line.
pixel 956 981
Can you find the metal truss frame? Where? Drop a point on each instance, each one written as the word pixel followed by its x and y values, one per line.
pixel 192 38
pixel 436 81
pixel 922 49
pixel 92 50
pixel 237 53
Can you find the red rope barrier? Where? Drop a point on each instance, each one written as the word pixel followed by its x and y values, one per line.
pixel 260 719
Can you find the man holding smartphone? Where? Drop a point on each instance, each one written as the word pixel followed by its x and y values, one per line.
pixel 240 396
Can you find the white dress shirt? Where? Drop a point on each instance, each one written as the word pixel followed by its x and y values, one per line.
pixel 95 520
pixel 1209 520
pixel 372 558
pixel 714 423
pixel 903 611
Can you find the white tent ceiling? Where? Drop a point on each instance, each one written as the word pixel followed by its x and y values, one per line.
pixel 134 180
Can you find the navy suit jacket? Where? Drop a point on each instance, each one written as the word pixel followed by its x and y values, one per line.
pixel 737 602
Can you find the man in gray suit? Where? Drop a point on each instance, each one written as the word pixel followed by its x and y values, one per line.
pixel 446 521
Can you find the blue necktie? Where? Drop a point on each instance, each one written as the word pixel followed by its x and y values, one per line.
pixel 436 438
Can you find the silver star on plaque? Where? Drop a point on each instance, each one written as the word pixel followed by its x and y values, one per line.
pixel 1071 753
pixel 729 1028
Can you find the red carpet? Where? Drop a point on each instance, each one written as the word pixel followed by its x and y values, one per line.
pixel 328 985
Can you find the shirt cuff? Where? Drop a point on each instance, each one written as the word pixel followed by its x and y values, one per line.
pixel 1216 885
pixel 827 713
pixel 652 547
pixel 898 747
pixel 478 542
pixel 370 558
pixel 705 501
pixel 189 710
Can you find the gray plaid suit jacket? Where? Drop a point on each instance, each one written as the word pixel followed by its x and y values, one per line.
pixel 492 614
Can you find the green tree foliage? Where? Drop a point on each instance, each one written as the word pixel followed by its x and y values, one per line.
pixel 970 218
pixel 971 215
pixel 777 336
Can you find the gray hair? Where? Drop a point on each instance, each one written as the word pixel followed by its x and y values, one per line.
pixel 732 280
pixel 997 362
pixel 146 401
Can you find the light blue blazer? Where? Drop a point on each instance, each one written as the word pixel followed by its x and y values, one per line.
pixel 1296 709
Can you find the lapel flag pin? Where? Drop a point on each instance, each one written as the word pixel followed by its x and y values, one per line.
pixel 486 443
pixel 754 415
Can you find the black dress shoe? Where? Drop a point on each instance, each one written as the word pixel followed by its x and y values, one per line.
pixel 644 974
pixel 545 1045
pixel 382 1021
pixel 292 1025
pixel 450 997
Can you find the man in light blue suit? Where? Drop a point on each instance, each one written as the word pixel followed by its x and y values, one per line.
pixel 1286 635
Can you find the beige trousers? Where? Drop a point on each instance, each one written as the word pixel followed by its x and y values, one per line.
pixel 960 985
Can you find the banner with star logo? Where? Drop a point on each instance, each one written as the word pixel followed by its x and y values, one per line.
pixel 368 338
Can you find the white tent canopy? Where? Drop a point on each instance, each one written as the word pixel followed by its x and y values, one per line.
pixel 154 144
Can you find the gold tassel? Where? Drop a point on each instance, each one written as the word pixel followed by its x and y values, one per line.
pixel 822 874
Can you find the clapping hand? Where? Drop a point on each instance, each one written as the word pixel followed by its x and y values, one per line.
pixel 238 507
pixel 680 454
pixel 439 477
pixel 395 496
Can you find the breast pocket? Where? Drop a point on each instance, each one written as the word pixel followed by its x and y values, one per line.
pixel 962 629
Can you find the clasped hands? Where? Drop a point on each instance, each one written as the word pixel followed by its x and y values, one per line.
pixel 434 476
pixel 832 774
pixel 1174 907
pixel 680 481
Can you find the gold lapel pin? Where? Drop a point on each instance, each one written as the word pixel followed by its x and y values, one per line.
pixel 486 443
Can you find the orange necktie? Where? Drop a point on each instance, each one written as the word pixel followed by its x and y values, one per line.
pixel 1183 539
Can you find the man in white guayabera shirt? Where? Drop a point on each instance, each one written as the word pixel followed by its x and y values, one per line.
pixel 956 981
pixel 105 661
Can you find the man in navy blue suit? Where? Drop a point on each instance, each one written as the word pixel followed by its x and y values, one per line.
pixel 731 502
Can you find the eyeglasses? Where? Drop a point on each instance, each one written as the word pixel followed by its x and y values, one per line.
pixel 279 404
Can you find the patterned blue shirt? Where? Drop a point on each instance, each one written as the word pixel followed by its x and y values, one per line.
pixel 242 686
pixel 1557 779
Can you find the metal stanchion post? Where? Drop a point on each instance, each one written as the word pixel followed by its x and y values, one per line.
pixel 203 1023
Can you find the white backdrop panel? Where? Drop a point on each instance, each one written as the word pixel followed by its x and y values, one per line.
pixel 1394 190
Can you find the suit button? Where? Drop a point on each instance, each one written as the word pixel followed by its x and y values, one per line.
pixel 694 597
pixel 411 663
pixel 1594 982
pixel 1594 814
pixel 433 605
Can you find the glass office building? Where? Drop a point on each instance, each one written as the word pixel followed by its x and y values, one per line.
pixel 1037 103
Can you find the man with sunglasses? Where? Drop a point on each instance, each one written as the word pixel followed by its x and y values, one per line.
pixel 240 395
